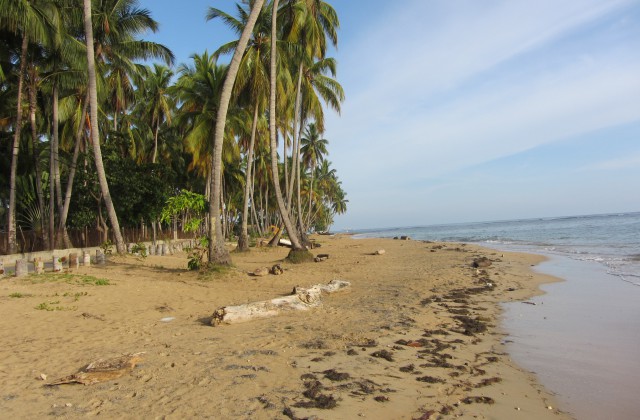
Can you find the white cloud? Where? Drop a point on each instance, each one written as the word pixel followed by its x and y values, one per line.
pixel 443 85
pixel 616 164
pixel 508 113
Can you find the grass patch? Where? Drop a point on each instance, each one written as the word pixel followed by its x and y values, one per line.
pixel 299 256
pixel 80 279
pixel 210 271
pixel 52 306
pixel 19 295
pixel 76 296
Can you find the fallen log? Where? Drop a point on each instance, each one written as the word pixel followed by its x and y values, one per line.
pixel 301 299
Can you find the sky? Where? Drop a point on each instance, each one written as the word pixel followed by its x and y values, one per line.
pixel 470 110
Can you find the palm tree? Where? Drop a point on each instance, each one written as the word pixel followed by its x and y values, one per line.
pixel 117 25
pixel 310 23
pixel 95 135
pixel 218 254
pixel 30 20
pixel 198 91
pixel 252 85
pixel 284 214
pixel 158 101
pixel 313 149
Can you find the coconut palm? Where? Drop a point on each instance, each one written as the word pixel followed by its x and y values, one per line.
pixel 157 101
pixel 310 23
pixel 95 134
pixel 252 84
pixel 118 23
pixel 218 254
pixel 313 150
pixel 198 91
pixel 32 21
pixel 284 214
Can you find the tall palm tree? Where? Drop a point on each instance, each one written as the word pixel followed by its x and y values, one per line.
pixel 95 135
pixel 118 23
pixel 284 214
pixel 310 23
pixel 313 150
pixel 198 91
pixel 252 85
pixel 158 101
pixel 31 21
pixel 218 254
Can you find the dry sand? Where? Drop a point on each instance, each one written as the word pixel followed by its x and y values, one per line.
pixel 401 306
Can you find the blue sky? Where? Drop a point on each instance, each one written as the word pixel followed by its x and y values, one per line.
pixel 471 110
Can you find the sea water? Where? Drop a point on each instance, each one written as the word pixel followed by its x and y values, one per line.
pixel 582 337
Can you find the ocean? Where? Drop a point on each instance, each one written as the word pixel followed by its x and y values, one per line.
pixel 612 240
pixel 582 337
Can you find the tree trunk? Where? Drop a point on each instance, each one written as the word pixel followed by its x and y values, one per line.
pixel 52 198
pixel 95 134
pixel 313 170
pixel 295 153
pixel 12 243
pixel 155 144
pixel 55 159
pixel 218 254
pixel 272 132
pixel 36 161
pixel 72 174
pixel 243 240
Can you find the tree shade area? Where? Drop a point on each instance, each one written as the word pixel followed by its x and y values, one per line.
pixel 102 135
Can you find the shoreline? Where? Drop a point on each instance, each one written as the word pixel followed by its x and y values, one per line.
pixel 408 340
pixel 569 337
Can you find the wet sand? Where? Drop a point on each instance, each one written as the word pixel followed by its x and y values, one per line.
pixel 582 339
pixel 417 335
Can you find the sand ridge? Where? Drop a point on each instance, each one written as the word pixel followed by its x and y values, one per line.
pixel 416 336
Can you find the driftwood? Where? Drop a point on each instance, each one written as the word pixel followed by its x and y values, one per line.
pixel 301 299
pixel 102 370
pixel 284 242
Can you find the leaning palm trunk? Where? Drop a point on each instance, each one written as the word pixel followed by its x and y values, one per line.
pixel 12 243
pixel 313 170
pixel 95 134
pixel 72 173
pixel 295 152
pixel 243 240
pixel 295 243
pixel 301 226
pixel 218 254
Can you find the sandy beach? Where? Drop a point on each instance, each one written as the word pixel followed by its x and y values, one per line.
pixel 416 336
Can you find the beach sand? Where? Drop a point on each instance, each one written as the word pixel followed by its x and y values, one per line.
pixel 389 347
